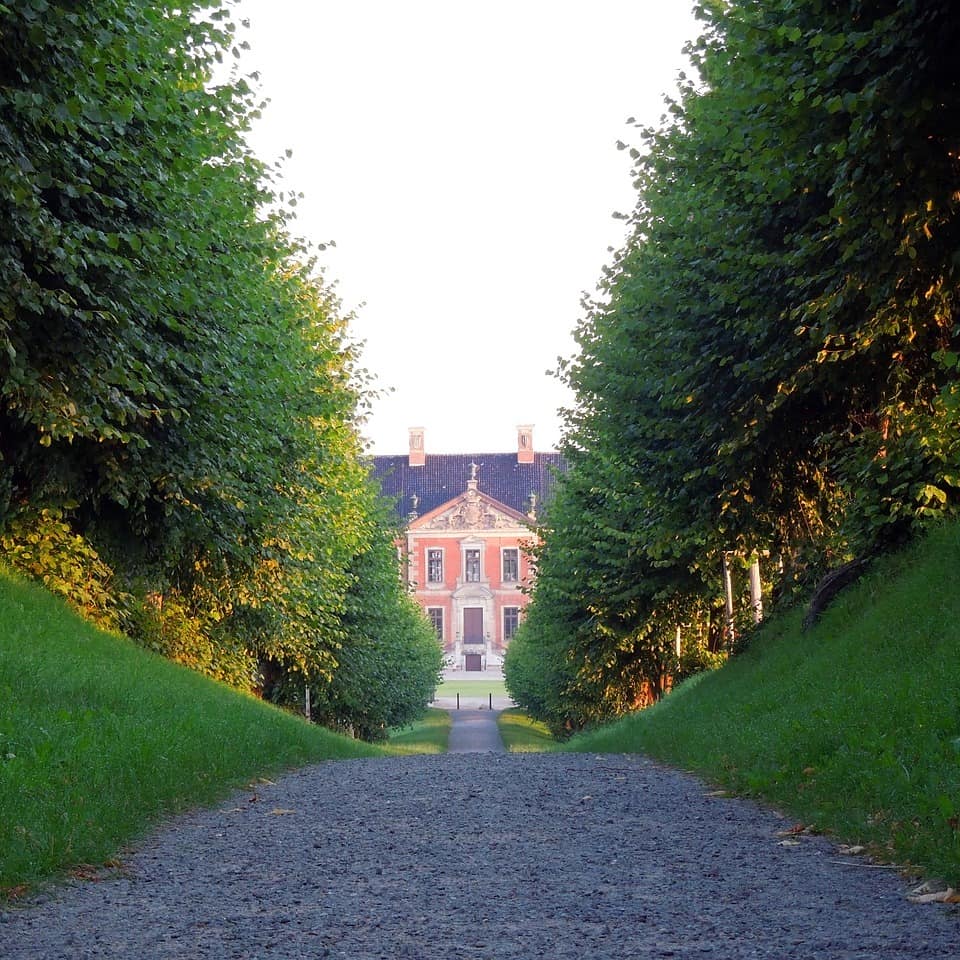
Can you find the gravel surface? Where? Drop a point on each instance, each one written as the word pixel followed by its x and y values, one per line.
pixel 483 855
pixel 474 731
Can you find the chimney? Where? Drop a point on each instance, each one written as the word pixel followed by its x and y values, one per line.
pixel 417 454
pixel 525 444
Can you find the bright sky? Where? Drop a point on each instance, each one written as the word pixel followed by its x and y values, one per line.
pixel 462 156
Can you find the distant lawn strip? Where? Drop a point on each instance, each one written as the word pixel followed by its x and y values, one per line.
pixel 100 739
pixel 852 727
pixel 469 687
pixel 428 735
pixel 474 692
pixel 520 734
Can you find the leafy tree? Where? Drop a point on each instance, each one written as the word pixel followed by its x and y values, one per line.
pixel 772 365
pixel 177 387
pixel 390 661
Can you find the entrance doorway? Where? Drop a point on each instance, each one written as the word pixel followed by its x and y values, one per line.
pixel 473 624
pixel 473 638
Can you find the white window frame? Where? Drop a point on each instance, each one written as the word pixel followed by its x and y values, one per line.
pixel 503 564
pixel 437 550
pixel 507 639
pixel 472 548
pixel 434 613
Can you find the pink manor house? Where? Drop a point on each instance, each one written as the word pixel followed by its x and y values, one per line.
pixel 469 519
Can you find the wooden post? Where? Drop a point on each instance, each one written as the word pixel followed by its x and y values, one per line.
pixel 756 591
pixel 728 598
pixel 306 702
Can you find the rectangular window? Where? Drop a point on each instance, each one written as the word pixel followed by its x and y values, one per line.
pixel 436 618
pixel 511 565
pixel 434 566
pixel 471 564
pixel 511 620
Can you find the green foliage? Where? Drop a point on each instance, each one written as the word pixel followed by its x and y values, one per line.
pixel 770 366
pixel 100 740
pixel 695 659
pixel 535 676
pixel 389 661
pixel 46 549
pixel 851 727
pixel 164 624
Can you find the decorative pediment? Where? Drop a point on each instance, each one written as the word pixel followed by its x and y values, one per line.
pixel 471 511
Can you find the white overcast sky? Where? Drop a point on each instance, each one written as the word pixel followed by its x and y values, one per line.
pixel 462 156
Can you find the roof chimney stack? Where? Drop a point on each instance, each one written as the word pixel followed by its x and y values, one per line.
pixel 525 444
pixel 417 454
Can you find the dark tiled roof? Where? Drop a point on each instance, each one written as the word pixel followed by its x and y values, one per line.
pixel 445 475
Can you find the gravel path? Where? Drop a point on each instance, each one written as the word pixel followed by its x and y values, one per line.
pixel 474 731
pixel 483 855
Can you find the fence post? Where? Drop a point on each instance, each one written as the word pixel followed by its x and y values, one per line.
pixel 728 598
pixel 756 591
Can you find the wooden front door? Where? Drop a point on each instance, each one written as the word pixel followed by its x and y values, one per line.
pixel 473 624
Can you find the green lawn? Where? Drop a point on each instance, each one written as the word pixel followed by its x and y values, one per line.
pixel 520 734
pixel 480 688
pixel 428 735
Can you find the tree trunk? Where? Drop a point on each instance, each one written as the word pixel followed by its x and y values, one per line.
pixel 830 586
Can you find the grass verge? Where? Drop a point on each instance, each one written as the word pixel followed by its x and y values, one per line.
pixel 520 734
pixel 100 739
pixel 852 727
pixel 479 689
pixel 430 734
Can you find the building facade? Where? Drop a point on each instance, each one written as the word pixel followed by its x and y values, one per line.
pixel 469 524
